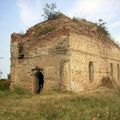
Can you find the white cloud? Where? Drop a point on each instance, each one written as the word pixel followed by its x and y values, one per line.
pixel 114 24
pixel 95 9
pixel 29 10
pixel 92 10
pixel 25 10
pixel 118 39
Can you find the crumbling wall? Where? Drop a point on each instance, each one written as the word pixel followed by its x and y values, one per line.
pixel 44 52
pixel 86 49
pixel 72 55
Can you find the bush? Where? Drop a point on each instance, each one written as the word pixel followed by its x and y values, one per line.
pixel 4 84
pixel 45 30
pixel 54 16
pixel 101 28
pixel 9 76
pixel 75 19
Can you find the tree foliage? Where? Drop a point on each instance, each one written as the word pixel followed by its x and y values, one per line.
pixel 1 74
pixel 101 28
pixel 49 12
pixel 9 76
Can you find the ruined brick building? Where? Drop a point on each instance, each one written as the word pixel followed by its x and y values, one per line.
pixel 71 55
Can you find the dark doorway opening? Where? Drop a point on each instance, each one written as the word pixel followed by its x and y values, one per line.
pixel 39 80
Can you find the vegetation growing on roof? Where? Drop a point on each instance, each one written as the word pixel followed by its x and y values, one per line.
pixel 39 30
pixel 101 28
pixel 49 12
pixel 75 19
pixel 47 29
pixel 83 21
pixel 22 33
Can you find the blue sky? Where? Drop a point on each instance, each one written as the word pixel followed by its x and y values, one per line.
pixel 18 15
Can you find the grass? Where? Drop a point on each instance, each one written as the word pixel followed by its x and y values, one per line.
pixel 41 31
pixel 55 105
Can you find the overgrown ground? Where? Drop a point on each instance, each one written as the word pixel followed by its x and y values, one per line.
pixel 20 105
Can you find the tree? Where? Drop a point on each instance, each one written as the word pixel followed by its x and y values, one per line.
pixel 9 76
pixel 101 28
pixel 0 73
pixel 49 11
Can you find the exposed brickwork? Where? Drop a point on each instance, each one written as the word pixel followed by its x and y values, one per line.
pixel 63 48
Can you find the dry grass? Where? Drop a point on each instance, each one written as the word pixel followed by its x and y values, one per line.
pixel 51 105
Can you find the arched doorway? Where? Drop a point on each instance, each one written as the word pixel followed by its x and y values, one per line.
pixel 38 81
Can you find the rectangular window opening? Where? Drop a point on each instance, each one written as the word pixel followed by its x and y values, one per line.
pixel 111 69
pixel 91 71
pixel 20 51
pixel 118 71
